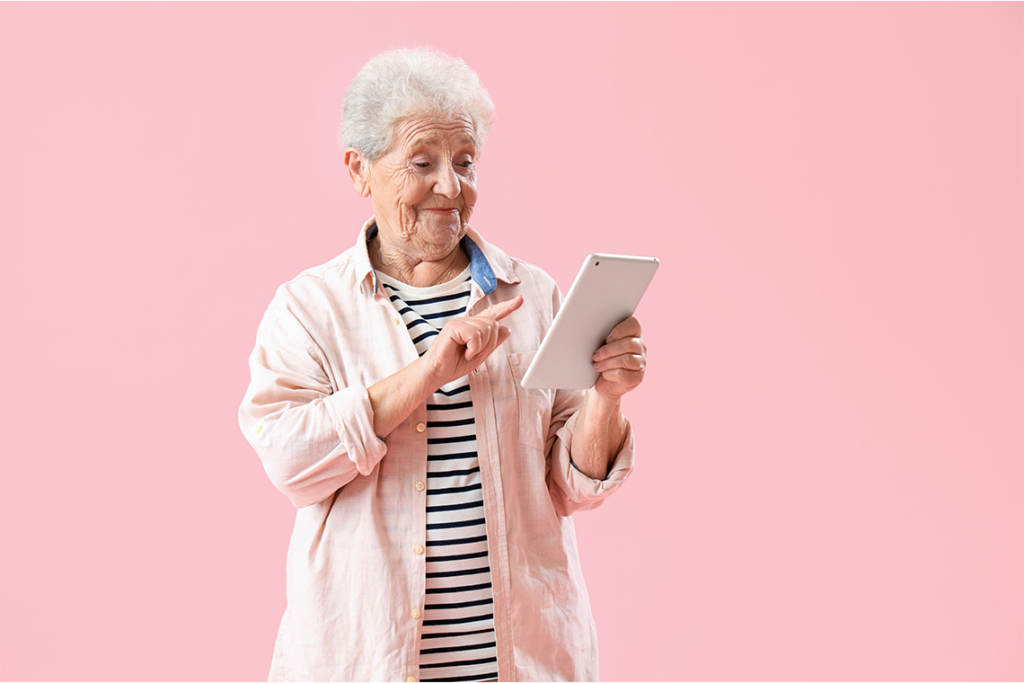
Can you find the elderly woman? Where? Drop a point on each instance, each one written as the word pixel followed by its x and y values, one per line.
pixel 433 537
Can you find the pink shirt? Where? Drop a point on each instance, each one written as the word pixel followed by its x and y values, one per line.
pixel 355 565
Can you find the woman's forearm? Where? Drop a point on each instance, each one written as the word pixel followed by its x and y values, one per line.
pixel 597 438
pixel 395 397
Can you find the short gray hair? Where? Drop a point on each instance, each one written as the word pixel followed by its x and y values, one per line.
pixel 402 83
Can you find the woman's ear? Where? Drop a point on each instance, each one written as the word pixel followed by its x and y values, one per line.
pixel 358 171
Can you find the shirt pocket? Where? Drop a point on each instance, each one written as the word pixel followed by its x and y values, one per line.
pixel 534 404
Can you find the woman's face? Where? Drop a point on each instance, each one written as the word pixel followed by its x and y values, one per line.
pixel 423 190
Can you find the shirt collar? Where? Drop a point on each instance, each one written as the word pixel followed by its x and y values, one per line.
pixel 487 263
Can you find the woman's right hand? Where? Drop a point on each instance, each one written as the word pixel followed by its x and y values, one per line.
pixel 465 343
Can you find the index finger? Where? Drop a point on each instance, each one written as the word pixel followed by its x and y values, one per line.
pixel 499 311
pixel 630 327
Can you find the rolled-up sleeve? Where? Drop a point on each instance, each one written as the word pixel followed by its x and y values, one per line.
pixel 570 489
pixel 312 438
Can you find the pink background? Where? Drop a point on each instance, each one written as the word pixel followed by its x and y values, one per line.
pixel 830 479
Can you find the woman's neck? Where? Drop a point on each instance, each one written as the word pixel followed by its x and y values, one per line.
pixel 406 268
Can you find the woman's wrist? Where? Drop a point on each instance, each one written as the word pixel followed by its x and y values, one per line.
pixel 422 379
pixel 601 408
pixel 394 398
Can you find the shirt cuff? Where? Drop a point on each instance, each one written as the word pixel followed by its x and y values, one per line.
pixel 352 417
pixel 577 489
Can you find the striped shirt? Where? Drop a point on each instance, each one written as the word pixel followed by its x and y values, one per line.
pixel 457 639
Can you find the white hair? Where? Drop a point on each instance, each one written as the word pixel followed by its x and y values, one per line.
pixel 402 83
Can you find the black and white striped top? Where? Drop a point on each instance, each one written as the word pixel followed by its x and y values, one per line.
pixel 457 639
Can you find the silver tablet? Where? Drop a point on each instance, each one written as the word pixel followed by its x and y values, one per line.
pixel 606 291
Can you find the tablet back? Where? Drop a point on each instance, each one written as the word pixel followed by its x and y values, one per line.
pixel 606 291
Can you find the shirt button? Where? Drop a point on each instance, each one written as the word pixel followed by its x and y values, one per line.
pixel 415 614
pixel 396 321
pixel 418 550
pixel 420 427
pixel 410 679
pixel 420 486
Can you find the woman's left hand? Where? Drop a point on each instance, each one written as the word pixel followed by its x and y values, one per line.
pixel 621 361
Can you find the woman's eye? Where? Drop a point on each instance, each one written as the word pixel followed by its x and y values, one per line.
pixel 422 164
pixel 466 164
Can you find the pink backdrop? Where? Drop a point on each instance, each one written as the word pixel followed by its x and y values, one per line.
pixel 830 479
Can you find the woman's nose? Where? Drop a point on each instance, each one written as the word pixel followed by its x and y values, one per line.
pixel 447 182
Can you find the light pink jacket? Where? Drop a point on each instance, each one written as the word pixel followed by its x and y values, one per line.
pixel 355 586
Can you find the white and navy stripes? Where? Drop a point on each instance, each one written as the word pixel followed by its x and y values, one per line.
pixel 457 639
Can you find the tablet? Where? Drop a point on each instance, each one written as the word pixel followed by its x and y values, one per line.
pixel 606 291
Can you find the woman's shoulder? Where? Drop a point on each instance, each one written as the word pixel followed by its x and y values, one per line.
pixel 329 288
pixel 532 273
pixel 341 271
pixel 511 269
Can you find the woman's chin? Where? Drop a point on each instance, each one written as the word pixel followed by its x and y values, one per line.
pixel 441 234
